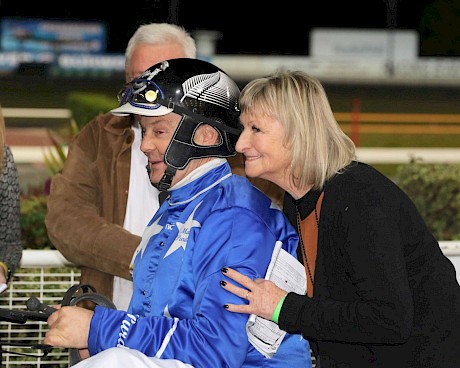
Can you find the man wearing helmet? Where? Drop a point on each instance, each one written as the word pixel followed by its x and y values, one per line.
pixel 202 100
pixel 189 113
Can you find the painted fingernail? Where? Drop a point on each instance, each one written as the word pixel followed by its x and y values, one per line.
pixel 223 283
pixel 226 306
pixel 224 269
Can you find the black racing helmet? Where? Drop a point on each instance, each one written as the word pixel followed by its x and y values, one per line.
pixel 195 89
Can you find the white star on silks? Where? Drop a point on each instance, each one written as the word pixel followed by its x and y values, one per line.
pixel 184 231
pixel 146 236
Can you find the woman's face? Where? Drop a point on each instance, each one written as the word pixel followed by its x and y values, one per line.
pixel 263 150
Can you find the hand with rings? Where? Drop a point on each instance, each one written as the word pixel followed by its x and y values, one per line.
pixel 265 295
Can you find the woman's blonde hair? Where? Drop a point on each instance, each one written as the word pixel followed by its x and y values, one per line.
pixel 320 149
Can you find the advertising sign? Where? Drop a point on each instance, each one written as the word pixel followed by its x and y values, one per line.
pixel 56 36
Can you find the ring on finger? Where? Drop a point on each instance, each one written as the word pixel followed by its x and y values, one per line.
pixel 247 294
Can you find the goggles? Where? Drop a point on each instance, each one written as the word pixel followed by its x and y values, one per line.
pixel 142 93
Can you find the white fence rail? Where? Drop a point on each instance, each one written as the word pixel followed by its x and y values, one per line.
pixel 404 155
pixel 36 113
pixel 25 154
pixel 374 155
pixel 46 274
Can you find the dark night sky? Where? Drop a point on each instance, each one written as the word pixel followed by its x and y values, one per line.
pixel 247 27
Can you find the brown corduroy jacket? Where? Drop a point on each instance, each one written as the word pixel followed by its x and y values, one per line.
pixel 87 203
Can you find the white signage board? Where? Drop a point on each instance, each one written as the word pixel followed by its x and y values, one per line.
pixel 383 44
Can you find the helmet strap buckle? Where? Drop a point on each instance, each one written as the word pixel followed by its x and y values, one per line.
pixel 165 182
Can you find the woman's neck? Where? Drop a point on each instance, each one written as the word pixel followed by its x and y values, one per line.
pixel 296 192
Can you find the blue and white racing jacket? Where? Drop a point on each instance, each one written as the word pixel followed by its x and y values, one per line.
pixel 215 219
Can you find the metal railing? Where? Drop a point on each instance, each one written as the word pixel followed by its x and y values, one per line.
pixel 45 274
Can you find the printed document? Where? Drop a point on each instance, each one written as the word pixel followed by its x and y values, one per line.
pixel 287 273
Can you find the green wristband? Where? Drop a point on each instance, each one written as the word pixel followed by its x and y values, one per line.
pixel 277 311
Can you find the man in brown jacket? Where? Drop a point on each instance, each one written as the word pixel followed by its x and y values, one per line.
pixel 94 218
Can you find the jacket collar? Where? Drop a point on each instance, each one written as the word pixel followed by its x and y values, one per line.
pixel 307 203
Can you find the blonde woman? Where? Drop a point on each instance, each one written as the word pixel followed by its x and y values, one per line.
pixel 10 227
pixel 380 291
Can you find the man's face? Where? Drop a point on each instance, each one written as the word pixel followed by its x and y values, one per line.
pixel 157 132
pixel 145 55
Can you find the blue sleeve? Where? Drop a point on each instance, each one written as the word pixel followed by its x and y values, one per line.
pixel 210 336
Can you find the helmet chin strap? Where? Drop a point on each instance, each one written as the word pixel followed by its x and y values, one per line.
pixel 165 182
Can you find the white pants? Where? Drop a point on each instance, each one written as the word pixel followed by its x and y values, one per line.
pixel 122 358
